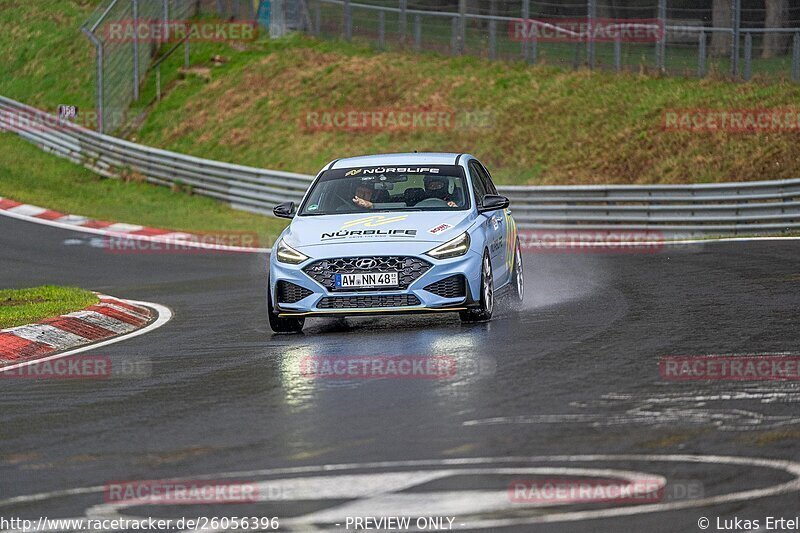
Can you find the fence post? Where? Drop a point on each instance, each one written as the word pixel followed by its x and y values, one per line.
pixel 590 48
pixel 748 55
pixel 526 15
pixel 347 22
pixel 796 58
pixel 417 33
pixel 186 53
pixel 165 30
pixel 617 52
pixel 661 46
pixel 135 7
pixel 701 55
pixel 98 47
pixel 454 25
pixel 462 26
pixel 381 29
pixel 403 20
pixel 533 49
pixel 736 16
pixel 317 18
pixel 492 39
pixel 220 9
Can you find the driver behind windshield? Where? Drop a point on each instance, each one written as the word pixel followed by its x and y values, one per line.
pixel 363 196
pixel 436 187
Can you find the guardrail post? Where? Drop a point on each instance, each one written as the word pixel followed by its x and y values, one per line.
pixel 661 46
pixel 135 8
pixel 417 33
pixel 402 22
pixel 348 21
pixel 526 15
pixel 796 58
pixel 590 44
pixel 701 55
pixel 748 55
pixel 618 52
pixel 381 30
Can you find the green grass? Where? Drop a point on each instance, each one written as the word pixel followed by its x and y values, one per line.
pixel 29 175
pixel 24 306
pixel 549 125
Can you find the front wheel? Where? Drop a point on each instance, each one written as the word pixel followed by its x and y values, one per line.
pixel 282 325
pixel 486 303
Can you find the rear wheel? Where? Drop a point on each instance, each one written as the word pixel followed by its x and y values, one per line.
pixel 486 303
pixel 517 279
pixel 282 325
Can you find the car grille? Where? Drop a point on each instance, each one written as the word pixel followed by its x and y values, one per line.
pixel 368 301
pixel 452 287
pixel 289 293
pixel 409 268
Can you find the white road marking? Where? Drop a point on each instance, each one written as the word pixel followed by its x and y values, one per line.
pixel 164 316
pixel 467 506
pixel 121 227
pixel 73 220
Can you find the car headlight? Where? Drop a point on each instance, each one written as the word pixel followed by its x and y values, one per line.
pixel 453 248
pixel 287 254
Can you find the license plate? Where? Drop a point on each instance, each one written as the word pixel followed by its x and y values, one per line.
pixel 367 279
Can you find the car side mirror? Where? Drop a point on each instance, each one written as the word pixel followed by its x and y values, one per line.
pixel 493 202
pixel 284 210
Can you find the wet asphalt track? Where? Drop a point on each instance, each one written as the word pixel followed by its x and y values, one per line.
pixel 575 374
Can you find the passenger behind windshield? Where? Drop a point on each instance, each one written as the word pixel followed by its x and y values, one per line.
pixel 339 193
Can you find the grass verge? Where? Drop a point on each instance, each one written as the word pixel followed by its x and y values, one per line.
pixel 24 306
pixel 29 175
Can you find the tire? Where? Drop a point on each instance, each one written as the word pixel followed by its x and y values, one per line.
pixel 282 325
pixel 486 303
pixel 517 280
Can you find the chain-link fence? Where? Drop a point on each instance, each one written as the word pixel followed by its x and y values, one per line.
pixel 127 34
pixel 687 37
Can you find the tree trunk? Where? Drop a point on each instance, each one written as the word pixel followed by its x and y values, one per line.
pixel 721 18
pixel 777 15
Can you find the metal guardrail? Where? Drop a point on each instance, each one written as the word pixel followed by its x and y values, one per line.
pixel 706 209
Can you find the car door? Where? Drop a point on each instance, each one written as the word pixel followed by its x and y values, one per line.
pixel 494 223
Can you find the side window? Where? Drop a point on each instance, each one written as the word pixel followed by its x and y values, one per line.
pixel 490 188
pixel 478 183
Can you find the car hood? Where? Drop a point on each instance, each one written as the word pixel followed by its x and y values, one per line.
pixel 366 228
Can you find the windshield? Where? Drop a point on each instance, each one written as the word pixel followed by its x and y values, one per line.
pixel 375 189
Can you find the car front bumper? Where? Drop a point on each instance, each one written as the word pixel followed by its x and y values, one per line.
pixel 422 301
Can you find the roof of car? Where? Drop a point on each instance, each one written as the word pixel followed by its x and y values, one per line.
pixel 411 158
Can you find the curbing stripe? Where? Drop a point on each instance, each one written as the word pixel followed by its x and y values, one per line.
pixel 13 348
pixel 40 215
pixel 92 317
pixel 97 324
pixel 80 327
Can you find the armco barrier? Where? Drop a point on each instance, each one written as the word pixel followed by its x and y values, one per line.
pixel 706 209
